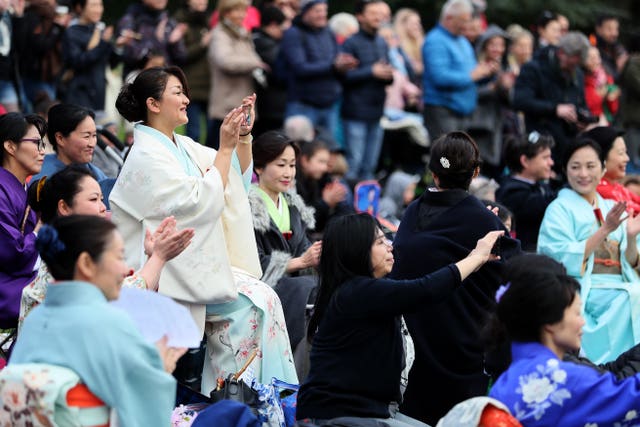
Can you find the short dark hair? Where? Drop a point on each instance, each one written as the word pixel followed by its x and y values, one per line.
pixel 545 17
pixel 310 148
pixel 65 118
pixel 361 5
pixel 61 242
pixel 150 83
pixel 14 126
pixel 454 159
pixel 604 17
pixel 538 292
pixel 528 145
pixel 45 193
pixel 346 253
pixel 271 15
pixel 268 146
pixel 577 144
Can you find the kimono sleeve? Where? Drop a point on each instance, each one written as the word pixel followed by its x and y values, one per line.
pixel 558 238
pixel 16 249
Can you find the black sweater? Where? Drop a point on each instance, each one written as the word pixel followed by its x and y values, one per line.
pixel 357 354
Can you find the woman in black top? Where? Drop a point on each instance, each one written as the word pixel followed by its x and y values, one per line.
pixel 357 352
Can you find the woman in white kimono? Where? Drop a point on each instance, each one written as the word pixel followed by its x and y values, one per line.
pixel 590 236
pixel 217 275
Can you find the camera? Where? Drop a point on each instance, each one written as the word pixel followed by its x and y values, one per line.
pixel 585 116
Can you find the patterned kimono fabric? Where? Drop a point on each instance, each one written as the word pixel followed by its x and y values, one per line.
pixel 610 286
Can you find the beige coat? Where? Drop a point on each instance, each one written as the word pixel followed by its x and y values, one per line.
pixel 232 58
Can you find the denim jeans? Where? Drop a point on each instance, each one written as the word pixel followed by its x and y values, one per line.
pixel 33 87
pixel 363 142
pixel 328 117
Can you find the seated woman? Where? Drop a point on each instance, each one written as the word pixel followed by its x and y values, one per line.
pixel 357 353
pixel 21 155
pixel 589 236
pixel 540 313
pixel 615 157
pixel 281 220
pixel 76 328
pixel 74 191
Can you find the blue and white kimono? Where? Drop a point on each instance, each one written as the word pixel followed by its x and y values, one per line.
pixel 541 390
pixel 611 302
pixel 76 328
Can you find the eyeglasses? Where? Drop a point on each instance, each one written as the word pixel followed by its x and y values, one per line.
pixel 38 141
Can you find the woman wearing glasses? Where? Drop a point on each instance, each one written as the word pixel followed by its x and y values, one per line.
pixel 526 191
pixel 21 155
pixel 591 238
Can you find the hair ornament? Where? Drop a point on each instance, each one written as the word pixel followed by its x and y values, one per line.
pixel 501 290
pixel 49 243
pixel 445 162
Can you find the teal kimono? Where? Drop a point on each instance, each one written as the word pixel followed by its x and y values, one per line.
pixel 76 328
pixel 611 302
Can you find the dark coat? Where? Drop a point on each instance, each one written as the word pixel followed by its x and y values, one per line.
pixel 273 98
pixel 528 203
pixel 539 88
pixel 309 54
pixel 196 65
pixel 436 230
pixel 364 94
pixel 88 84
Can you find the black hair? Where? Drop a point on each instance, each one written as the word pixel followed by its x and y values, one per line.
pixel 268 146
pixel 61 242
pixel 577 144
pixel 150 83
pixel 78 3
pixel 454 159
pixel 528 145
pixel 346 253
pixel 545 17
pixel 308 149
pixel 14 126
pixel 64 119
pixel 603 17
pixel 271 15
pixel 538 292
pixel 361 5
pixel 45 193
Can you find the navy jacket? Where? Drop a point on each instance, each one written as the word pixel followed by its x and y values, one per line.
pixel 309 54
pixel 364 94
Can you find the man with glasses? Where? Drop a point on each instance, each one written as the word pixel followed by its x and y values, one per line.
pixel 526 191
pixel 550 92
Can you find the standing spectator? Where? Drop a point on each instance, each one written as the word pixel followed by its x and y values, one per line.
pixel 233 59
pixel 526 191
pixel 548 28
pixel 445 222
pixel 520 47
pixel 272 93
pixel 41 56
pixel 613 53
pixel 10 28
pixel 600 92
pixel 21 155
pixel 150 32
pixel 309 53
pixel 343 25
pixel 364 91
pixel 550 92
pixel 196 66
pixel 408 27
pixel 86 49
pixel 251 20
pixel 451 71
pixel 630 100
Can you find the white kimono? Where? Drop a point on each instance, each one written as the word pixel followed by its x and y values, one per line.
pixel 158 180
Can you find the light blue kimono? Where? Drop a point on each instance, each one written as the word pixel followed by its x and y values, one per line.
pixel 541 390
pixel 611 302
pixel 76 328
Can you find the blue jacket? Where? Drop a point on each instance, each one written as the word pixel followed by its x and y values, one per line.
pixel 448 62
pixel 364 94
pixel 309 54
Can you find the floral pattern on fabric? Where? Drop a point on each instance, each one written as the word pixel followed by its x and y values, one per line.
pixel 25 403
pixel 542 389
pixel 631 419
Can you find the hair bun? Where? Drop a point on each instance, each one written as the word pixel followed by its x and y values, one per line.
pixel 48 243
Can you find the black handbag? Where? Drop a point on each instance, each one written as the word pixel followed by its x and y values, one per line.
pixel 238 391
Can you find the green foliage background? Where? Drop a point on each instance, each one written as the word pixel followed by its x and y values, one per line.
pixel 581 13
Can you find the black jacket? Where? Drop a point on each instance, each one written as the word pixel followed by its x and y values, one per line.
pixel 364 94
pixel 539 88
pixel 273 98
pixel 528 203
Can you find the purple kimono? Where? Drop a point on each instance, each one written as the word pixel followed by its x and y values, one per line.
pixel 18 252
